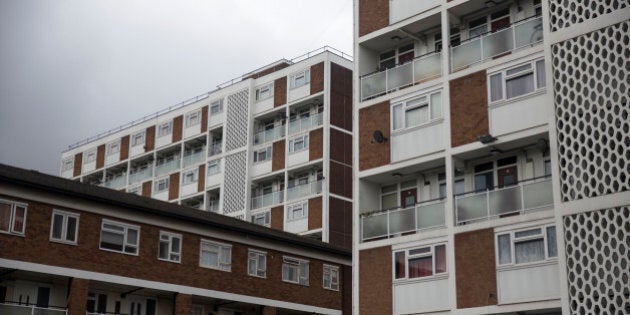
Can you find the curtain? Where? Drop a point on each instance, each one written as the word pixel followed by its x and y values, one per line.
pixel 440 259
pixel 400 265
pixel 496 87
pixel 5 216
pixel 420 267
pixel 436 105
pixel 520 85
pixel 529 251
pixel 552 246
pixel 505 249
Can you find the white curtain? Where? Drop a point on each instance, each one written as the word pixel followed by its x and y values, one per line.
pixel 496 87
pixel 529 251
pixel 519 85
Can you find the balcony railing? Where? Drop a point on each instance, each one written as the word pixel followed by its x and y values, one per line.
pixel 15 308
pixel 420 69
pixel 213 206
pixel 524 33
pixel 526 196
pixel 167 167
pixel 215 148
pixel 305 123
pixel 116 183
pixel 194 158
pixel 394 222
pixel 141 175
pixel 266 200
pixel 269 135
pixel 304 190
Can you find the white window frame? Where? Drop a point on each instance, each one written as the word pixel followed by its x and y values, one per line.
pixel 190 176
pixel 223 263
pixel 268 154
pixel 165 129
pixel 434 110
pixel 386 57
pixel 138 138
pixel 301 270
pixel 331 275
pixel 162 181
pixel 264 216
pixel 303 139
pixel 169 238
pixel 430 253
pixel 214 167
pixel 264 91
pixel 216 107
pixel 67 164
pixel 534 67
pixel 125 233
pixel 304 75
pixel 297 208
pixel 65 217
pixel 193 118
pixel 90 156
pixel 513 240
pixel 254 257
pixel 113 147
pixel 12 217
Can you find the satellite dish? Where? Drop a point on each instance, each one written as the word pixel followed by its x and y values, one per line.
pixel 378 136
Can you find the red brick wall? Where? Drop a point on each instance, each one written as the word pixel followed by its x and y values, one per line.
pixel 475 267
pixel 317 78
pixel 346 278
pixel 149 137
pixel 124 147
pixel 340 179
pixel 373 15
pixel 100 156
pixel 315 213
pixel 267 71
pixel 341 97
pixel 340 221
pixel 86 255
pixel 173 186
pixel 178 123
pixel 340 147
pixel 371 153
pixel 78 163
pixel 277 160
pixel 280 92
pixel 375 281
pixel 315 144
pixel 269 310
pixel 77 297
pixel 201 184
pixel 469 108
pixel 204 118
pixel 277 218
pixel 183 303
pixel 146 188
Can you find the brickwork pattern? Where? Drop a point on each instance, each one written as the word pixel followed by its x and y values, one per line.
pixel 78 164
pixel 280 92
pixel 340 96
pixel 317 78
pixel 124 147
pixel 469 108
pixel 371 153
pixel 315 213
pixel 375 281
pixel 149 139
pixel 100 156
pixel 316 144
pixel 340 222
pixel 475 267
pixel 278 151
pixel 178 128
pixel 173 186
pixel 373 15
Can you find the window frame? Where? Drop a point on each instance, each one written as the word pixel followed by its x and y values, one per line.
pixel 126 228
pixel 67 164
pixel 539 85
pixel 304 140
pixel 216 107
pixel 170 237
pixel 138 138
pixel 264 91
pixel 430 253
pixel 268 154
pixel 12 217
pixel 405 107
pixel 216 164
pixel 192 118
pixel 186 174
pixel 254 255
pixel 292 262
pixel 303 74
pixel 90 156
pixel 227 267
pixel 513 240
pixel 292 208
pixel 329 270
pixel 165 129
pixel 65 215
pixel 159 181
pixel 266 217
pixel 113 147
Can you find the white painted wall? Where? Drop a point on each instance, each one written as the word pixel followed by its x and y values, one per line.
pixel 164 140
pixel 402 9
pixel 528 283
pixel 214 180
pixel 417 142
pixel 188 189
pixel 517 115
pixel 217 119
pixel 136 150
pixel 296 226
pixel 261 168
pixel 192 130
pixel 298 93
pixel 421 296
pixel 263 106
pixel 112 158
pixel 163 195
pixel 296 158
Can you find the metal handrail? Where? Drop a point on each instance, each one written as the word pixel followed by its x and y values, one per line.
pixel 421 203
pixel 497 187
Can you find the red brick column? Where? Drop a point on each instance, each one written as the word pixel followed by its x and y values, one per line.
pixel 77 298
pixel 183 303
pixel 269 310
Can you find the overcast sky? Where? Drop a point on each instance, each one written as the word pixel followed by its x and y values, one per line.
pixel 73 69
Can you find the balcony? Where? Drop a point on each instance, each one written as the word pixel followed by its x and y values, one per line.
pixel 421 68
pixel 215 149
pixel 528 195
pixel 394 222
pixel 16 308
pixel 304 190
pixel 167 167
pixel 140 175
pixel 305 123
pixel 116 183
pixel 524 33
pixel 213 206
pixel 268 135
pixel 267 200
pixel 195 158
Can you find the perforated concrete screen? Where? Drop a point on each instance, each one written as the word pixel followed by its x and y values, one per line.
pixel 564 13
pixel 597 247
pixel 591 80
pixel 235 182
pixel 237 118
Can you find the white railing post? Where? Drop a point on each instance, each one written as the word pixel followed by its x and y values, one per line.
pixel 481 54
pixel 488 203
pixel 388 224
pixel 522 189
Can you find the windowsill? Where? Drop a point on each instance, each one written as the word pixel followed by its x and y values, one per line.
pixel 170 261
pixel 441 276
pixel 297 220
pixel 261 162
pixel 433 122
pixel 193 125
pixel 12 233
pixel 298 151
pixel 52 240
pixel 533 264
pixel 519 98
pixel 300 86
pixel 162 136
pixel 331 289
pixel 295 282
pixel 263 99
pixel 118 252
pixel 215 268
pixel 257 276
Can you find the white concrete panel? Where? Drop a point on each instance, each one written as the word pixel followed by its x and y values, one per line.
pixel 298 93
pixel 417 142
pixel 188 189
pixel 162 141
pixel 296 226
pixel 518 115
pixel 296 158
pixel 88 167
pixel 192 131
pixel 214 180
pixel 68 173
pixel 163 195
pixel 402 9
pixel 112 158
pixel 216 119
pixel 261 168
pixel 529 283
pixel 421 296
pixel 263 105
pixel 136 150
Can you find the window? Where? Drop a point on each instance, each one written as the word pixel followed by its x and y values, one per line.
pixel 417 111
pixel 170 247
pixel 484 176
pixel 295 270
pixel 442 185
pixel 389 196
pixel 400 55
pixel 506 174
pixel 527 246
pixel 455 39
pixel 161 185
pixel 263 218
pixel 214 167
pixel 135 190
pixel 331 277
pixel 297 211
pixel 113 147
pixel 262 155
pixel 90 156
pixel 548 168
pixel 97 303
pixel 420 262
pixel 298 144
pixel 497 21
pixel 67 164
pixel 193 118
pixel 517 81
pixel 257 263
pixel 300 78
pixel 215 255
pixel 264 92
pixel 12 217
pixel 119 237
pixel 191 176
pixel 138 138
pixel 64 227
pixel 165 129
pixel 537 7
pixel 216 107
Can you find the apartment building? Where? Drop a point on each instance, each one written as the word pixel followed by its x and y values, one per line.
pixel 492 174
pixel 73 248
pixel 272 147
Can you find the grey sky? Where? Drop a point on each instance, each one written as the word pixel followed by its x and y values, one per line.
pixel 72 69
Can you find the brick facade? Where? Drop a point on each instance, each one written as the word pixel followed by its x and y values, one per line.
pixel 146 188
pixel 469 108
pixel 173 186
pixel 100 156
pixel 277 160
pixel 204 118
pixel 340 147
pixel 475 267
pixel 340 182
pixel 375 281
pixel 341 97
pixel 149 139
pixel 317 78
pixel 373 154
pixel 178 128
pixel 315 213
pixel 373 15
pixel 277 218
pixel 77 296
pixel 340 221
pixel 183 303
pixel 124 147
pixel 201 184
pixel 280 92
pixel 316 144
pixel 78 164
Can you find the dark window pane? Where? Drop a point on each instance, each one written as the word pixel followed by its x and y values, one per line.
pixel 400 265
pixel 440 259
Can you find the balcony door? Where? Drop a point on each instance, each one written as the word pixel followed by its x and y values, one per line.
pixel 141 306
pixel 408 197
pixel 507 176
